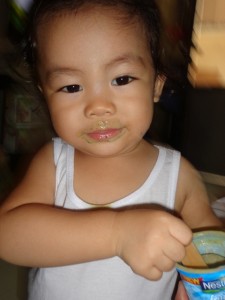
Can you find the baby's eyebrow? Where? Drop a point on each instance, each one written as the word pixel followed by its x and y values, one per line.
pixel 125 58
pixel 57 71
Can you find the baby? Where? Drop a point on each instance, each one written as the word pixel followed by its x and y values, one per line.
pixel 101 213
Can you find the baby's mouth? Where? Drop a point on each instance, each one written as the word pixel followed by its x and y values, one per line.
pixel 104 131
pixel 104 135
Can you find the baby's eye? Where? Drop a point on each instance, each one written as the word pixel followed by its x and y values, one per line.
pixel 73 88
pixel 122 80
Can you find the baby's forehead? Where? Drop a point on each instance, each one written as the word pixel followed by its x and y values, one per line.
pixel 118 14
pixel 122 17
pixel 89 16
pixel 87 33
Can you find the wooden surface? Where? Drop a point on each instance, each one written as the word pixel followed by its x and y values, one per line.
pixel 193 258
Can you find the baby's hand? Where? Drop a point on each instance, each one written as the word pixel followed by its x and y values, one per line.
pixel 150 241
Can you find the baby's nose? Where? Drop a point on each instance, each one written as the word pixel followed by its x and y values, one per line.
pixel 100 107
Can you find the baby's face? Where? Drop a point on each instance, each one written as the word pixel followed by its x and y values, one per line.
pixel 97 76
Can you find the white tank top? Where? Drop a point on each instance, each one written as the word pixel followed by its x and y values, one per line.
pixel 108 279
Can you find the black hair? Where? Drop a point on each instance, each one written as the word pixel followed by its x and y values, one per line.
pixel 145 11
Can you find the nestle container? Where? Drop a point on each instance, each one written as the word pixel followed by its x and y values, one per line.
pixel 206 283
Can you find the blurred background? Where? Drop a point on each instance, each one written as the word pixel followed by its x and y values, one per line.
pixel 189 117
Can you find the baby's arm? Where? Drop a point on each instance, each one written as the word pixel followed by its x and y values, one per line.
pixel 192 201
pixel 35 233
pixel 193 205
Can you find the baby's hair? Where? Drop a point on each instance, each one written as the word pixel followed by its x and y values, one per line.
pixel 144 11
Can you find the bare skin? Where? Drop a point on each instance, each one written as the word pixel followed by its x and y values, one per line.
pixel 149 240
pixel 181 293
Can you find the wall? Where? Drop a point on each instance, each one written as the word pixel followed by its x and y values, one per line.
pixel 208 60
pixel 211 11
pixel 204 124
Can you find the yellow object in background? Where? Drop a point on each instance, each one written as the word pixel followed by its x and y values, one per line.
pixel 208 59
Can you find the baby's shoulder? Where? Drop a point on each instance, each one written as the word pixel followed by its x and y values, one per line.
pixel 190 184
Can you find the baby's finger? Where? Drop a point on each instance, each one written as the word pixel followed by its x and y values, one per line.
pixel 175 251
pixel 165 264
pixel 180 231
pixel 154 274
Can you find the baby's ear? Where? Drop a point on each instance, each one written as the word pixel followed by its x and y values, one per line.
pixel 159 84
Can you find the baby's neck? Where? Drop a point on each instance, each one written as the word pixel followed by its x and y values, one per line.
pixel 105 180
